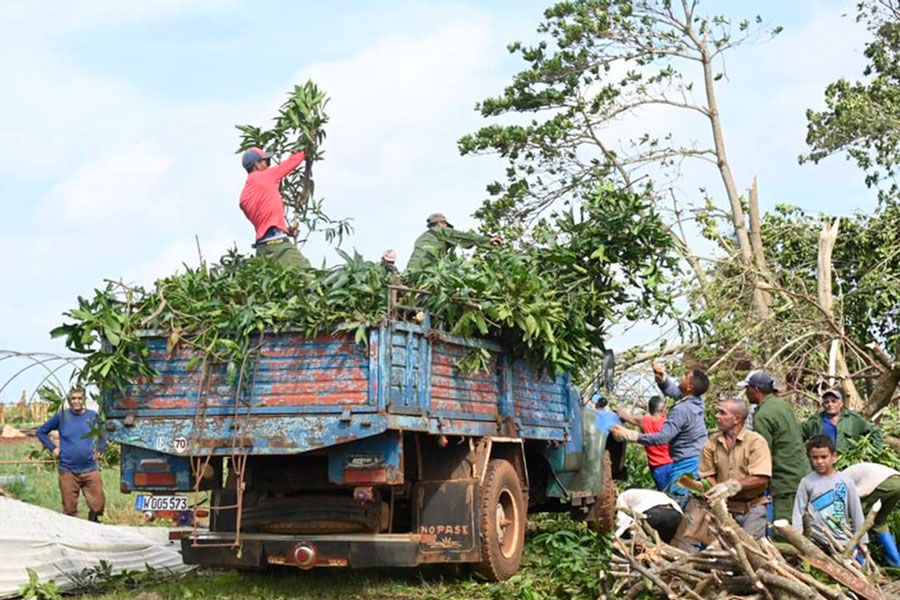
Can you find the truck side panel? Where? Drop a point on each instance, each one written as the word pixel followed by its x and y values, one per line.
pixel 291 375
pixel 459 394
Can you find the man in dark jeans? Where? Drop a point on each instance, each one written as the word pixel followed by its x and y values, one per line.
pixel 78 452
pixel 684 430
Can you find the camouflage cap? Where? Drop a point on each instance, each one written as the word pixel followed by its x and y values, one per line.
pixel 833 392
pixel 435 218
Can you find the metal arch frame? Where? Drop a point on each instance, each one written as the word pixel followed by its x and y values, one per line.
pixel 39 359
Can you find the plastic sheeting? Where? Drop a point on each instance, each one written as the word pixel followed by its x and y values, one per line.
pixel 54 545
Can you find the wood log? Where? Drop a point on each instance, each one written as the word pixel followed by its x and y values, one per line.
pixel 799 590
pixel 866 526
pixel 816 557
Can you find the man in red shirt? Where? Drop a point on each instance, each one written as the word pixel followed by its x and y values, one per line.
pixel 657 456
pixel 263 205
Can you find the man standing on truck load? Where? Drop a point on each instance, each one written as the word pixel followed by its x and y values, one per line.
pixel 774 419
pixel 657 456
pixel 440 239
pixel 263 205
pixel 78 453
pixel 738 462
pixel 840 424
pixel 684 430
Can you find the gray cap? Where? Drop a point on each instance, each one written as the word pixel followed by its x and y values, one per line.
pixel 252 156
pixel 833 392
pixel 760 380
pixel 435 218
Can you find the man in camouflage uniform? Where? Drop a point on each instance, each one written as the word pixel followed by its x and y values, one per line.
pixel 840 424
pixel 774 419
pixel 441 239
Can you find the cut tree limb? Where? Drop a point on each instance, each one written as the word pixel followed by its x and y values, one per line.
pixel 866 526
pixel 816 557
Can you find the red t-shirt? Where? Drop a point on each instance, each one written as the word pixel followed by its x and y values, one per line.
pixel 656 455
pixel 261 198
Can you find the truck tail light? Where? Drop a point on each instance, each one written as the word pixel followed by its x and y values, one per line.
pixel 154 464
pixel 154 479
pixel 365 475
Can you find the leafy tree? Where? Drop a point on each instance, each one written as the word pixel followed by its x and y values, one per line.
pixel 866 277
pixel 862 118
pixel 602 62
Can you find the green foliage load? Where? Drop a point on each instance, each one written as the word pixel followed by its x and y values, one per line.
pixel 550 302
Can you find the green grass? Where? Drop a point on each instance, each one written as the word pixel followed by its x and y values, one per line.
pixel 562 560
pixel 316 584
pixel 41 485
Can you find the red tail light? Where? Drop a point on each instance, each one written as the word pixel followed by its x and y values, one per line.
pixel 154 479
pixel 365 475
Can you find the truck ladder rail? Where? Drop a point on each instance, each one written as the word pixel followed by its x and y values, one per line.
pixel 237 456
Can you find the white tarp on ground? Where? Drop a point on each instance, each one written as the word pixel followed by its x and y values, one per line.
pixel 53 545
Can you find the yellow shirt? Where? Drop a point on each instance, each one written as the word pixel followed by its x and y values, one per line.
pixel 750 455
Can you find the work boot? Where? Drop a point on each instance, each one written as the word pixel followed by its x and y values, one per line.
pixel 889 545
pixel 93 516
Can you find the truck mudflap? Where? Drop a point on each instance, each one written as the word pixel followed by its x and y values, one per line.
pixel 306 552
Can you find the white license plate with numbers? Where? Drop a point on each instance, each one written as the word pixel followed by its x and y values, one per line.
pixel 157 503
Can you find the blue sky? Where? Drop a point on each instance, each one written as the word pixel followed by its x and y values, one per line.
pixel 118 121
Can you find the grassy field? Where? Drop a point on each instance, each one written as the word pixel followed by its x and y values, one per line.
pixel 41 485
pixel 562 560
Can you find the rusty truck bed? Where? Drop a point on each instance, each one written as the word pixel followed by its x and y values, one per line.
pixel 302 394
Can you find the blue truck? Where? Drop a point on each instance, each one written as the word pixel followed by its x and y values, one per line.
pixel 325 452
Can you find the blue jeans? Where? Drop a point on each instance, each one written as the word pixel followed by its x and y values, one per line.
pixel 685 466
pixel 661 475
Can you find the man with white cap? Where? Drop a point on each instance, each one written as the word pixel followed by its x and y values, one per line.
pixel 440 239
pixel 840 424
pixel 263 205
pixel 776 422
pixel 877 482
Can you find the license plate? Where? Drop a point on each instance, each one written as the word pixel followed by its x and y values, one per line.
pixel 160 503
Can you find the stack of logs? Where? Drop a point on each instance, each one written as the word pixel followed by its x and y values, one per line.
pixel 737 566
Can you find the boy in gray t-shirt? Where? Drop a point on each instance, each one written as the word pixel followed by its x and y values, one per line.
pixel 829 496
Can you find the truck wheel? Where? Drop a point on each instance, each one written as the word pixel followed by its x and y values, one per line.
pixel 501 522
pixel 602 517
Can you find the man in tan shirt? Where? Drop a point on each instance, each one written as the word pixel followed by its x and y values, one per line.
pixel 739 464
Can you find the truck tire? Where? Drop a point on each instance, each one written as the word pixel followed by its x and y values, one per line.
pixel 602 517
pixel 501 521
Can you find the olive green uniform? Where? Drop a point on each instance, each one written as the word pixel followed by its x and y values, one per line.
pixel 851 425
pixel 776 422
pixel 283 252
pixel 441 241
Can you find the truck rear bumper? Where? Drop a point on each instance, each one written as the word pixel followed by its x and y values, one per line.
pixel 310 551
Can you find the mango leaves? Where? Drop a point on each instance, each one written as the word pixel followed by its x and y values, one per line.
pixel 550 301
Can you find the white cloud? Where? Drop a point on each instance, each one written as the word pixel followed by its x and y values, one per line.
pixel 129 179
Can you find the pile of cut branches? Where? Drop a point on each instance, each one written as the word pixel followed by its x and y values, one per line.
pixel 738 566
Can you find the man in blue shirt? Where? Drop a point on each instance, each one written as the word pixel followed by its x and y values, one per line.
pixel 684 430
pixel 78 452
